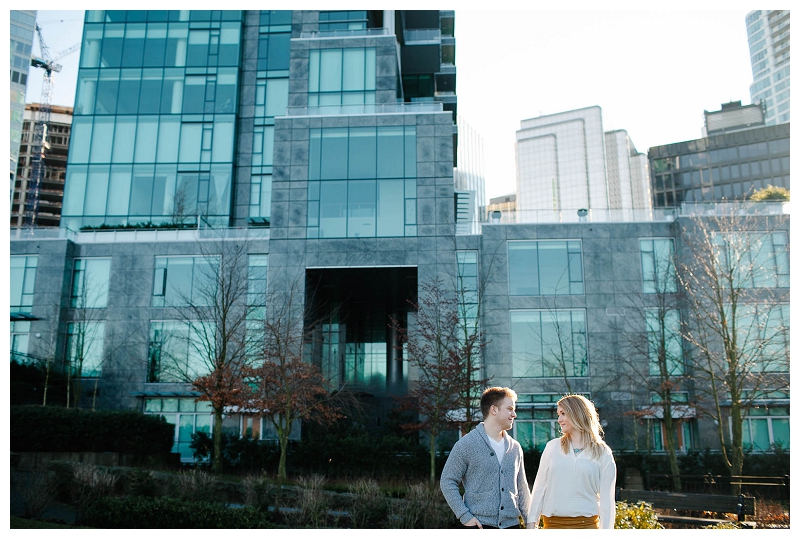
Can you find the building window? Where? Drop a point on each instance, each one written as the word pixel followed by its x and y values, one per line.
pixel 763 331
pixel 664 335
pixel 766 428
pixel 758 260
pixel 549 343
pixel 342 20
pixel 178 351
pixel 188 416
pixel 537 419
pixel 256 303
pixel 658 265
pixel 545 268
pixel 183 281
pixel 341 77
pixel 85 348
pixel 23 278
pixel 467 268
pixel 20 335
pixel 362 182
pixel 90 278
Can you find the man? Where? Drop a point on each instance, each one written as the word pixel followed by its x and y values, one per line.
pixel 488 461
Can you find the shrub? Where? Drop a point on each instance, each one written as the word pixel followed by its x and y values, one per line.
pixel 636 516
pixel 37 490
pixel 163 513
pixel 38 428
pixel 90 483
pixel 423 507
pixel 258 491
pixel 369 506
pixel 312 501
pixel 197 485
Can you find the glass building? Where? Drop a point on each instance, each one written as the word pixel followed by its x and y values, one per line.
pixel 23 27
pixel 739 156
pixel 565 162
pixel 768 38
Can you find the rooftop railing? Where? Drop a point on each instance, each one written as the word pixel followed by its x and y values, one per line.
pixel 140 235
pixel 368 108
pixel 351 32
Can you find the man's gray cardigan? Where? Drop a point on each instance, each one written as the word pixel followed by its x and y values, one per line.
pixel 493 493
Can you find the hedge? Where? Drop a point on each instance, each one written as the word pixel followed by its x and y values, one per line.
pixel 38 428
pixel 162 513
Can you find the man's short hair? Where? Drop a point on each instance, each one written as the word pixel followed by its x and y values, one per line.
pixel 494 396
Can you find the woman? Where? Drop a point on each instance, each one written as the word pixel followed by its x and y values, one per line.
pixel 574 486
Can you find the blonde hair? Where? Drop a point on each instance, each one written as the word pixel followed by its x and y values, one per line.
pixel 583 415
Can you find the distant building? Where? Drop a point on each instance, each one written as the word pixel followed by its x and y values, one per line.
pixel 739 156
pixel 566 161
pixel 52 187
pixel 503 204
pixel 23 26
pixel 768 38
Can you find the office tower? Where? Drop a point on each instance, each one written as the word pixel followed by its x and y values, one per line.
pixel 768 39
pixel 23 26
pixel 51 192
pixel 565 162
pixel 739 156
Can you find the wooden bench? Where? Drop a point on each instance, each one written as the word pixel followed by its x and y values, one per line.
pixel 741 505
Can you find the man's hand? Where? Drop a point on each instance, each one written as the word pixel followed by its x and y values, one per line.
pixel 472 523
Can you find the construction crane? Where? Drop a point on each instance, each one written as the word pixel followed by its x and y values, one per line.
pixel 40 144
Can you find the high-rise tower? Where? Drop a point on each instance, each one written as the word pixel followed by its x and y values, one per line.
pixel 768 38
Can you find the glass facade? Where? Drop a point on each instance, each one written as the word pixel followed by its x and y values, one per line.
pixel 362 182
pixel 341 76
pixel 545 268
pixel 177 351
pixel 549 343
pixel 183 281
pixel 188 416
pixel 90 278
pixel 664 336
pixel 23 279
pixel 756 260
pixel 154 120
pixel 21 34
pixel 85 342
pixel 658 266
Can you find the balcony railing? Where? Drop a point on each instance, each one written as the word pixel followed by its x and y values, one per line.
pixel 354 32
pixel 422 34
pixel 370 108
pixel 140 234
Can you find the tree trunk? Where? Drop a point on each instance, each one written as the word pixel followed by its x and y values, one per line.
pixel 669 438
pixel 433 458
pixel 737 452
pixel 217 440
pixel 284 442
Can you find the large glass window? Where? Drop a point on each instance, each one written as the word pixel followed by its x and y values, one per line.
pixel 362 182
pixel 85 348
pixel 658 265
pixel 468 287
pixel 537 419
pixel 763 331
pixel 178 351
pixel 664 337
pixel 757 260
pixel 90 278
pixel 183 280
pixel 23 278
pixel 20 335
pixel 188 416
pixel 766 427
pixel 341 76
pixel 549 343
pixel 545 268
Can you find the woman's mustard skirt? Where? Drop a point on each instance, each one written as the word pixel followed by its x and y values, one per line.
pixel 571 523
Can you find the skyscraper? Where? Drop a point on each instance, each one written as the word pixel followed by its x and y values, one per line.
pixel 768 38
pixel 565 162
pixel 23 25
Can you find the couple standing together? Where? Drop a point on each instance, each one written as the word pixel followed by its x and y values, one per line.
pixel 574 486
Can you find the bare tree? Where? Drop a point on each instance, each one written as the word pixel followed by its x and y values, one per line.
pixel 214 312
pixel 444 360
pixel 734 270
pixel 282 386
pixel 652 356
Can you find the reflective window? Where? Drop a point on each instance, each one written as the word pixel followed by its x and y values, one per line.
pixel 189 418
pixel 183 281
pixel 20 335
pixel 549 343
pixel 766 428
pixel 341 76
pixel 90 278
pixel 664 340
pixel 658 265
pixel 85 348
pixel 179 351
pixel 763 331
pixel 362 182
pixel 23 279
pixel 545 268
pixel 755 260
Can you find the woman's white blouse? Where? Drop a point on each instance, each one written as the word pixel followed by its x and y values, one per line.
pixel 573 486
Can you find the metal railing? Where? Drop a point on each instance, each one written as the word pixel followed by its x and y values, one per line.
pixel 135 235
pixel 350 32
pixel 367 108
pixel 770 487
